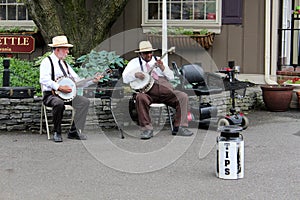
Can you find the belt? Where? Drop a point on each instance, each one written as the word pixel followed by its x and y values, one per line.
pixel 47 93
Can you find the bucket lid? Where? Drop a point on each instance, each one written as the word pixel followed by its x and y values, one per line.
pixel 230 131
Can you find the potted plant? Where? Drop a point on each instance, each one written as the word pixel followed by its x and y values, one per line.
pixel 277 98
pixel 184 38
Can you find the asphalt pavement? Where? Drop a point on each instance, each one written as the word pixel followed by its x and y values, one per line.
pixel 164 167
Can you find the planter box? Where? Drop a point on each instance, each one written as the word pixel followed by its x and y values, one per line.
pixel 184 41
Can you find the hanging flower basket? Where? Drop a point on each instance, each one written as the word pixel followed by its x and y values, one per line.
pixel 184 41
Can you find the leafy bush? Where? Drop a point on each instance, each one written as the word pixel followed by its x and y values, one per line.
pixel 22 74
pixel 99 62
pixel 25 73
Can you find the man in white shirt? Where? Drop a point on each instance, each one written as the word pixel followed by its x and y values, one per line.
pixel 162 91
pixel 52 68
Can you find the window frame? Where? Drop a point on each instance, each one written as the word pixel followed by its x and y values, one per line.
pixel 196 25
pixel 23 24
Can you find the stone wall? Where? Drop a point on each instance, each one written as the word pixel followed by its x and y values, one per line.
pixel 25 114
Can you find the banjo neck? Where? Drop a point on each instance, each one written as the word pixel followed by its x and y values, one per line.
pixel 86 80
pixel 71 83
pixel 171 50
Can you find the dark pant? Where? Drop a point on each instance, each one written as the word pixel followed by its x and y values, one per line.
pixel 80 105
pixel 162 92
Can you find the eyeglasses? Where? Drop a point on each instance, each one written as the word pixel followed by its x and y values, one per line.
pixel 147 52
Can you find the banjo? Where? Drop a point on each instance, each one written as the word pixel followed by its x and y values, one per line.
pixel 67 97
pixel 144 85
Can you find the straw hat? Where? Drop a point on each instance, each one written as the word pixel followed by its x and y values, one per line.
pixel 145 46
pixel 60 41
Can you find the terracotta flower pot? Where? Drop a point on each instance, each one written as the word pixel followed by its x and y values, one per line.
pixel 298 95
pixel 277 98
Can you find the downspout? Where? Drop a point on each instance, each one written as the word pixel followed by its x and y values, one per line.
pixel 268 43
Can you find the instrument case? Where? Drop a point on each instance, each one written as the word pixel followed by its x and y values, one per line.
pixel 17 92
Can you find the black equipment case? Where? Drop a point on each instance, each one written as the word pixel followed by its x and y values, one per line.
pixel 17 92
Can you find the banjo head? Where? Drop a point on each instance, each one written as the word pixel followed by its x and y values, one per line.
pixel 139 84
pixel 67 96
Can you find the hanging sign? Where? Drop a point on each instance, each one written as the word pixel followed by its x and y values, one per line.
pixel 16 44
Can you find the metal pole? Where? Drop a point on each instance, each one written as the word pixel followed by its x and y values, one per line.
pixel 164 31
pixel 6 72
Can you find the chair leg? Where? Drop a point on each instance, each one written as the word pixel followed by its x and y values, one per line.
pixel 159 119
pixel 41 121
pixel 120 127
pixel 47 125
pixel 170 118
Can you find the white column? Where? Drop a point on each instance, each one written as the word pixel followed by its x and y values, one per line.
pixel 164 31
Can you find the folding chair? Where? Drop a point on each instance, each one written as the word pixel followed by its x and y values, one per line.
pixel 134 114
pixel 44 110
pixel 160 106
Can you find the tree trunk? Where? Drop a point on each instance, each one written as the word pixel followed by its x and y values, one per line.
pixel 86 23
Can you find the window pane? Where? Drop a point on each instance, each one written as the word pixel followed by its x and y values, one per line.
pixel 11 1
pixel 183 9
pixel 211 11
pixel 2 1
pixel 11 12
pixel 21 13
pixel 187 11
pixel 199 11
pixel 175 10
pixel 153 11
pixel 2 12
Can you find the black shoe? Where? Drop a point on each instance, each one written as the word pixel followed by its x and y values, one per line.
pixel 147 134
pixel 181 131
pixel 57 137
pixel 76 135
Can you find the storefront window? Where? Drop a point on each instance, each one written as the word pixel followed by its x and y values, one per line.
pixel 197 14
pixel 14 15
pixel 13 10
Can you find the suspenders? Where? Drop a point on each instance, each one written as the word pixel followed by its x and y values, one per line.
pixel 141 63
pixel 62 69
pixel 52 69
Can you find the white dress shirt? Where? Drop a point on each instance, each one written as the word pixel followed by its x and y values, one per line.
pixel 134 66
pixel 46 71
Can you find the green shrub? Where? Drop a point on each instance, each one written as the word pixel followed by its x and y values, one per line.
pixel 99 62
pixel 22 74
pixel 25 73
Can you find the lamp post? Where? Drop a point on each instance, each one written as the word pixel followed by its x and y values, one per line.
pixel 6 72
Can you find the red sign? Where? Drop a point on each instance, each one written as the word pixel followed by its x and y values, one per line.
pixel 16 44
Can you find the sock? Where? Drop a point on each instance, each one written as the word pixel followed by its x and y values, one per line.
pixel 175 129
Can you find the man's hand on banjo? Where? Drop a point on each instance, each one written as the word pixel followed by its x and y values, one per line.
pixel 65 89
pixel 160 64
pixel 139 75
